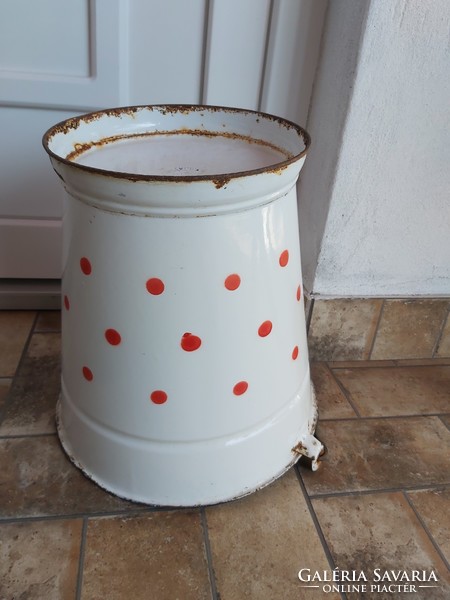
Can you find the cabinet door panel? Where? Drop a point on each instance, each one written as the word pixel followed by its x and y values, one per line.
pixel 237 37
pixel 60 58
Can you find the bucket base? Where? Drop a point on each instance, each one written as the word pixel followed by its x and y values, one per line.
pixel 195 473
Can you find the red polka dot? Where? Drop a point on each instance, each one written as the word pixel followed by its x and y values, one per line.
pixel 158 397
pixel 284 258
pixel 113 337
pixel 66 303
pixel 87 374
pixel 299 293
pixel 240 388
pixel 155 286
pixel 295 353
pixel 265 328
pixel 232 282
pixel 86 266
pixel 190 342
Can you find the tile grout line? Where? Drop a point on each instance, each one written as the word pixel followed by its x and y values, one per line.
pixel 209 559
pixel 441 331
pixel 399 363
pixel 19 365
pixel 377 327
pixel 309 315
pixel 81 559
pixel 346 393
pixel 417 488
pixel 317 525
pixel 385 417
pixel 39 313
pixel 27 435
pixel 34 324
pixel 124 513
pixel 425 528
pixel 442 421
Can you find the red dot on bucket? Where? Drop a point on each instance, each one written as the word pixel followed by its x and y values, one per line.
pixel 295 353
pixel 85 265
pixel 158 397
pixel 232 282
pixel 87 374
pixel 113 337
pixel 66 303
pixel 284 258
pixel 155 286
pixel 265 328
pixel 190 342
pixel 240 388
pixel 299 293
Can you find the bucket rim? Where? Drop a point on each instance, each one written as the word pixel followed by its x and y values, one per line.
pixel 219 179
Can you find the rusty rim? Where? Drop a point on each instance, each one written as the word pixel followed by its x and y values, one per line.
pixel 219 179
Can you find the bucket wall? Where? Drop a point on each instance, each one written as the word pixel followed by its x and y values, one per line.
pixel 185 376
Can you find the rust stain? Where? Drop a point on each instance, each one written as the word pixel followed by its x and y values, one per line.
pixel 182 109
pixel 303 450
pixel 81 148
pixel 324 451
pixel 300 449
pixel 219 180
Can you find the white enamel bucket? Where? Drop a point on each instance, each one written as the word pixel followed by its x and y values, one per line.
pixel 185 377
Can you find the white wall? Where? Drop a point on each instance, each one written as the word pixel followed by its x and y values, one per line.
pixel 375 192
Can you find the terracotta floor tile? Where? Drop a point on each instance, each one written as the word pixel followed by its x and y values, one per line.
pixel 343 329
pixel 39 560
pixel 433 507
pixel 15 327
pixel 380 531
pixel 5 385
pixel 377 454
pixel 37 479
pixel 156 556
pixel 409 328
pixel 397 391
pixel 48 320
pixel 331 401
pixel 35 390
pixel 443 349
pixel 260 543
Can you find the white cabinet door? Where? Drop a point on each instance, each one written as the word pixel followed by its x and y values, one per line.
pixel 59 58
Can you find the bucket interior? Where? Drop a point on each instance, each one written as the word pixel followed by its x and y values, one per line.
pixel 177 141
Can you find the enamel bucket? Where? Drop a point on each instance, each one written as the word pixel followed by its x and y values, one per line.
pixel 185 374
